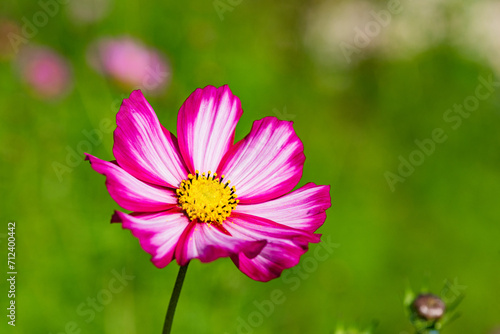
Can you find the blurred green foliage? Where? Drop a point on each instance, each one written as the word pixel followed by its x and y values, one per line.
pixel 441 223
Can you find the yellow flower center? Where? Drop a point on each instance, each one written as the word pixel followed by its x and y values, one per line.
pixel 206 198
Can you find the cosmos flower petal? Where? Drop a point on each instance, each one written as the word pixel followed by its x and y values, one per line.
pixel 302 209
pixel 158 233
pixel 143 147
pixel 131 193
pixel 267 163
pixel 272 260
pixel 284 246
pixel 205 127
pixel 208 242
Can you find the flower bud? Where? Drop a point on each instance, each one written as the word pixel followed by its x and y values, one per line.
pixel 429 306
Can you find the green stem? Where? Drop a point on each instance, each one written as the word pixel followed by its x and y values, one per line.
pixel 427 331
pixel 169 318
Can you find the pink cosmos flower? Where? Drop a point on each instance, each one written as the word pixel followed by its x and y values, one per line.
pixel 200 196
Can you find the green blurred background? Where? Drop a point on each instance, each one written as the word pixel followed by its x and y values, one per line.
pixel 283 58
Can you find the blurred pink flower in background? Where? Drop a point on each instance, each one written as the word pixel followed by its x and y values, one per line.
pixel 130 63
pixel 46 72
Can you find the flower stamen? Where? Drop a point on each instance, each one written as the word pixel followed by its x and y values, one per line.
pixel 206 198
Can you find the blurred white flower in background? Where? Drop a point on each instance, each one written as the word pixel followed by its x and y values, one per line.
pixel 88 11
pixel 421 25
pixel 330 24
pixel 478 33
pixel 131 64
pixel 340 34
